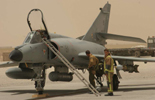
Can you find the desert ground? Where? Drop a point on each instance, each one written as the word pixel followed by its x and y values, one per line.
pixel 133 86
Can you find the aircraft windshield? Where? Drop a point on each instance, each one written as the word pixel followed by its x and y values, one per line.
pixel 33 37
pixel 29 37
pixel 36 38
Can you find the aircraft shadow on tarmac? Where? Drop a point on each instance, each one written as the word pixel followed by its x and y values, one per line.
pixel 136 85
pixel 51 93
pixel 58 93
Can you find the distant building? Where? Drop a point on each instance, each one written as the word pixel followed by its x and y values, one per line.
pixel 4 53
pixel 6 56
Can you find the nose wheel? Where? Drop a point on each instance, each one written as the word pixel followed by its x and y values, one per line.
pixel 39 79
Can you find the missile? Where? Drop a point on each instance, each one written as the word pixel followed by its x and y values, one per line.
pixel 119 67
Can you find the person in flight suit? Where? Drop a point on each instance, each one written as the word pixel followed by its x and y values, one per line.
pixel 93 61
pixel 109 71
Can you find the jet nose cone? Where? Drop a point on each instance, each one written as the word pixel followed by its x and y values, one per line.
pixel 16 55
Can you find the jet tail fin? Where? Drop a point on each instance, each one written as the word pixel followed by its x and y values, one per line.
pixel 99 25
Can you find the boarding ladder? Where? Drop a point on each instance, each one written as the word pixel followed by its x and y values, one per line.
pixel 70 66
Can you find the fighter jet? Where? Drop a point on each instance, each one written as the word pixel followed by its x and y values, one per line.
pixel 33 57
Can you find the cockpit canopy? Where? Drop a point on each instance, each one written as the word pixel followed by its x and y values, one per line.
pixel 37 26
pixel 33 37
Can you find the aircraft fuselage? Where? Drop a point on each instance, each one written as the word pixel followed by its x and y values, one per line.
pixel 69 47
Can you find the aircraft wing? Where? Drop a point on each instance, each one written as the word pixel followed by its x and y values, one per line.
pixel 83 55
pixel 120 37
pixel 8 64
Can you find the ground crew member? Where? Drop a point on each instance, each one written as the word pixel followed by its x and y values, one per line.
pixel 109 71
pixel 93 61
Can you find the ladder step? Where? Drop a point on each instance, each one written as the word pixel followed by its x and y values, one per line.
pixel 70 66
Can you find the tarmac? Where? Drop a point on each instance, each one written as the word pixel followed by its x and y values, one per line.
pixel 133 86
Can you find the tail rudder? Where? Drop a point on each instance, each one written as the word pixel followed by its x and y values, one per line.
pixel 99 25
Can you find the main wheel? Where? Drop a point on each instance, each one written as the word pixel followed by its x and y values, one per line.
pixel 115 82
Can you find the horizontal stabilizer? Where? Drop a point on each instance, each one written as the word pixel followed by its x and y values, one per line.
pixel 83 55
pixel 120 37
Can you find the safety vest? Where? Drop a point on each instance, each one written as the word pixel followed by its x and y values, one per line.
pixel 112 63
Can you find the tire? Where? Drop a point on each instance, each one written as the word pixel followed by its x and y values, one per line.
pixel 40 92
pixel 115 82
pixel 42 85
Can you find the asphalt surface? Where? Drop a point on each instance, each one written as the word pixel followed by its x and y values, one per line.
pixel 133 86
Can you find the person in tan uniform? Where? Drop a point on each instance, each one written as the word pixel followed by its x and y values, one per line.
pixel 109 71
pixel 93 61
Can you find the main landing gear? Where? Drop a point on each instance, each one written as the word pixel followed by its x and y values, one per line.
pixel 115 82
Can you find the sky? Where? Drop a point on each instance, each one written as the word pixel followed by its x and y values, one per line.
pixel 73 18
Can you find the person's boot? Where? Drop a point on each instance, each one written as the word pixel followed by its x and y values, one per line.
pixel 109 94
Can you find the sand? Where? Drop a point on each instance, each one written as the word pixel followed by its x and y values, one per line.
pixel 128 81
